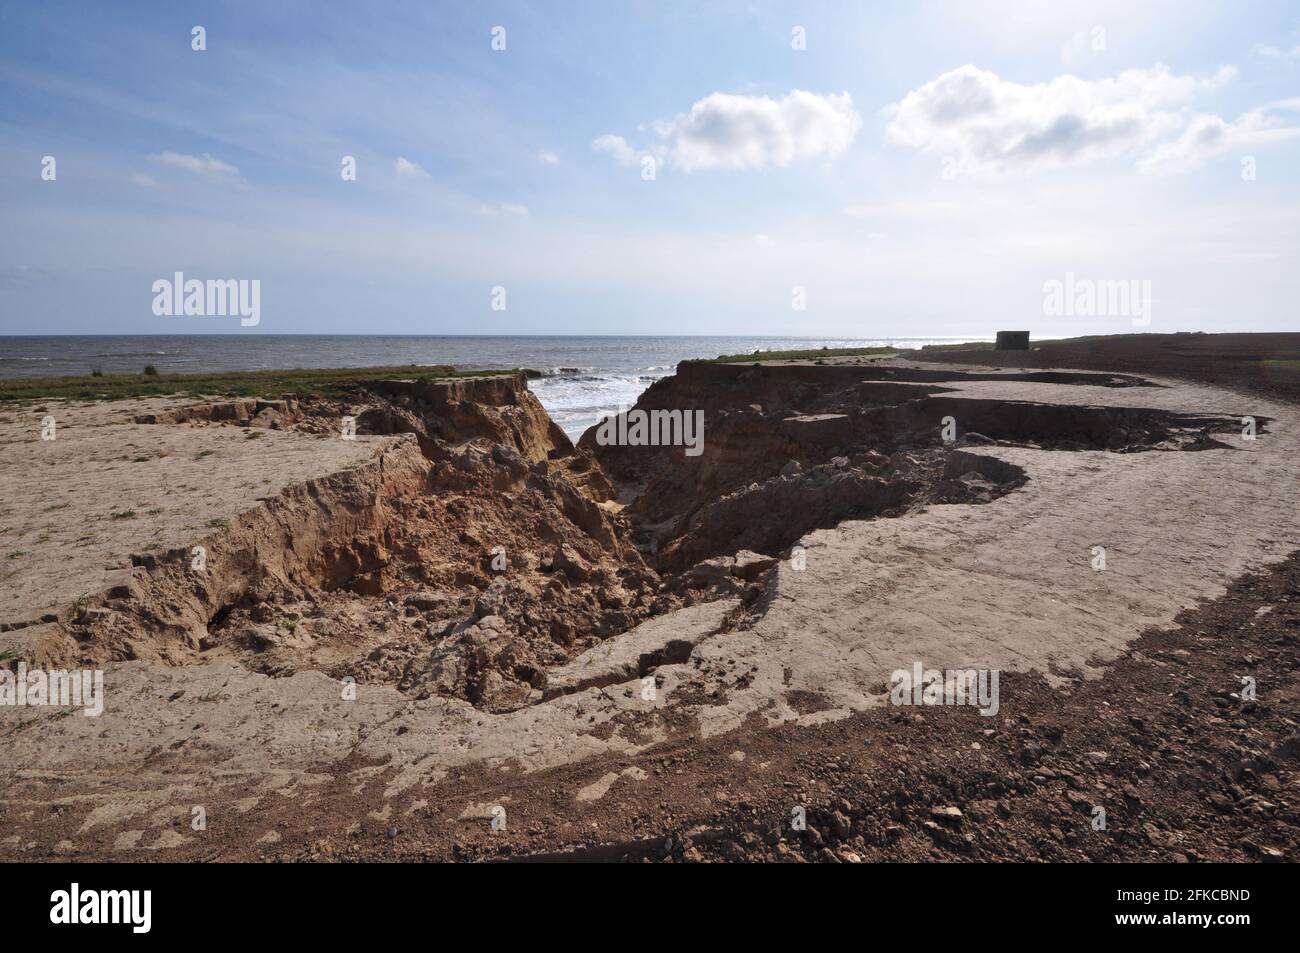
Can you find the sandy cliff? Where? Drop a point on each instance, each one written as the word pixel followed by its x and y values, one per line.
pixel 428 622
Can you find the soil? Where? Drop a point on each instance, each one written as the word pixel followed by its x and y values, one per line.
pixel 1164 744
pixel 628 573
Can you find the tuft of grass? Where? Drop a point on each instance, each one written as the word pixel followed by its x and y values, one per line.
pixel 151 370
pixel 325 382
pixel 218 522
pixel 124 515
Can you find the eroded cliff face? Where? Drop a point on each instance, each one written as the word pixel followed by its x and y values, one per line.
pixel 786 449
pixel 381 569
pixel 791 448
pixel 464 558
pixel 478 550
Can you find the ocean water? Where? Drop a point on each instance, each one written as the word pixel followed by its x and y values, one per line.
pixel 586 376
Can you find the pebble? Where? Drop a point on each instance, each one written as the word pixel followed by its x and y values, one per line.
pixel 948 814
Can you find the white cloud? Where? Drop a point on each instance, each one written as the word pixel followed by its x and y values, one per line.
pixel 506 208
pixel 989 125
pixel 408 168
pixel 547 157
pixel 204 165
pixel 1209 136
pixel 22 275
pixel 728 131
pixel 724 131
pixel 617 147
pixel 1269 52
pixel 145 181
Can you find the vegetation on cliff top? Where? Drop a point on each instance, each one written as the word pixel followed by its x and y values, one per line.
pixel 806 355
pixel 327 382
pixel 964 346
pixel 819 353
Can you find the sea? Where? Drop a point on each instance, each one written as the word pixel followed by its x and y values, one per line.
pixel 584 377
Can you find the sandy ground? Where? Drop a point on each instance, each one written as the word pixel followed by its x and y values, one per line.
pixel 1010 585
pixel 77 507
pixel 1006 585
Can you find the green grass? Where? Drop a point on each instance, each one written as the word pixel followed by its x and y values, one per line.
pixel 813 354
pixel 965 346
pixel 1287 364
pixel 326 382
pixel 808 355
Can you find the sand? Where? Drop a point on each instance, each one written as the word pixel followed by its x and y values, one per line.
pixel 1008 585
pixel 79 506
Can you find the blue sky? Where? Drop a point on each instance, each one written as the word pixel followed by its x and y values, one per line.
pixel 917 169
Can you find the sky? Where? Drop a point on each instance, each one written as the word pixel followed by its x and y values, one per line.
pixel 623 167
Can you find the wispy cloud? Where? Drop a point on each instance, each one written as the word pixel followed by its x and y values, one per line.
pixel 19 276
pixel 204 165
pixel 506 208
pixel 1270 52
pixel 618 147
pixel 547 157
pixel 1209 136
pixel 405 167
